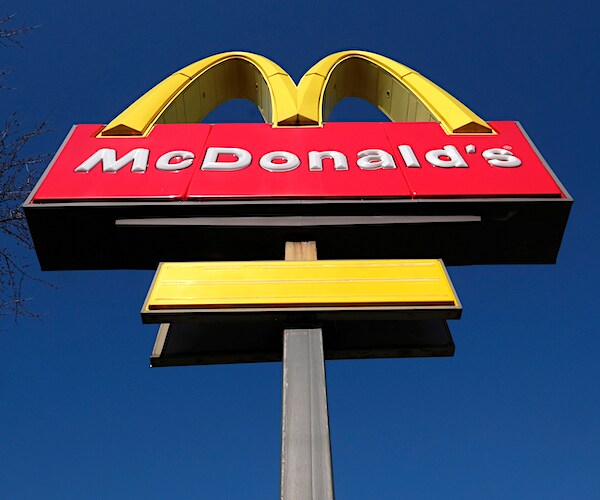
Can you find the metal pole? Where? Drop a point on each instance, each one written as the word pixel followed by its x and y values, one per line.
pixel 306 470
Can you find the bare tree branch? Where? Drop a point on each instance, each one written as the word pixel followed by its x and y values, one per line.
pixel 17 177
pixel 9 36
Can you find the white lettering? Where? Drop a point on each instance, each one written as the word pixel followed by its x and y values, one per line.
pixel 498 157
pixel 108 158
pixel 211 159
pixel 315 160
pixel 374 159
pixel 454 158
pixel 164 162
pixel 408 155
pixel 290 161
pixel 231 159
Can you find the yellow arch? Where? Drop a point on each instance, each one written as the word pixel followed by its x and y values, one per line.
pixel 190 94
pixel 398 91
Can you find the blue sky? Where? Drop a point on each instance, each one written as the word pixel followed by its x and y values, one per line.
pixel 514 414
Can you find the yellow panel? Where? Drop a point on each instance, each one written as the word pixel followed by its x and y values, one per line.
pixel 280 284
pixel 181 110
pixel 423 114
pixel 399 104
pixel 283 97
pixel 411 109
pixel 192 102
pixel 207 91
pixel 310 95
pixel 223 75
pixel 169 115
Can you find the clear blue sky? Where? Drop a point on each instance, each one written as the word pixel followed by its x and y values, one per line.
pixel 514 414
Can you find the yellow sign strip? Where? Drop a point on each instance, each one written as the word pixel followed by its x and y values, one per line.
pixel 280 284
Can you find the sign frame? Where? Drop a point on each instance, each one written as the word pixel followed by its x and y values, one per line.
pixel 99 234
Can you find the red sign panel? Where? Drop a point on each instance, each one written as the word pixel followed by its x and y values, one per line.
pixel 339 160
pixel 328 175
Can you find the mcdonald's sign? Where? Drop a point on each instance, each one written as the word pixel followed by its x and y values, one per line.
pixel 437 181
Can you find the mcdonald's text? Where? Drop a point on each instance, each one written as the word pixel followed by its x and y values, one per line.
pixel 285 161
pixel 339 160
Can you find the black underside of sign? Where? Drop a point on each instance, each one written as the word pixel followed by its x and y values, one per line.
pixel 131 235
pixel 251 342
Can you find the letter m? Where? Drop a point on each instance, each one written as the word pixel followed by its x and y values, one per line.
pixel 108 158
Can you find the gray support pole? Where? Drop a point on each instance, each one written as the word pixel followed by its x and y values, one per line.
pixel 306 470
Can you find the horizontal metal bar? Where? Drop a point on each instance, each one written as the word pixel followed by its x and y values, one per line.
pixel 301 221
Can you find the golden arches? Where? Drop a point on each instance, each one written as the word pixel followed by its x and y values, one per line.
pixel 190 94
pixel 398 91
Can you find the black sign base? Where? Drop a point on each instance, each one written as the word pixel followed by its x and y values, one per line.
pixel 201 344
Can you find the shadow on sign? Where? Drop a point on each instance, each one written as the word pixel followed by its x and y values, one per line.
pixel 205 344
